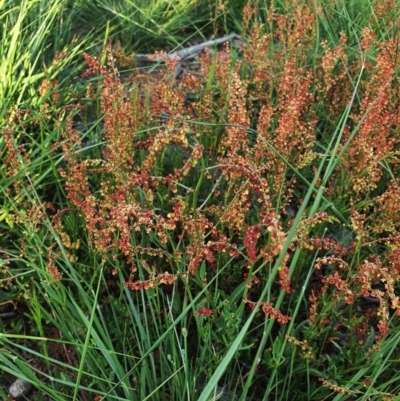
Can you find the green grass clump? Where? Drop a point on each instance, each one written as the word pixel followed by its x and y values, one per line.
pixel 231 233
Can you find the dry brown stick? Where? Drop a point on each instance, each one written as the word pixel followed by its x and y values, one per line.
pixel 189 51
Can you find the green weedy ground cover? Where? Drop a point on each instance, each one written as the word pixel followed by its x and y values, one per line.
pixel 231 233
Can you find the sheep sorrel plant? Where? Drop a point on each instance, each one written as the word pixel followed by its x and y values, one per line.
pixel 225 233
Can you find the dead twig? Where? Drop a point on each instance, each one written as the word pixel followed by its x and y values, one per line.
pixel 189 51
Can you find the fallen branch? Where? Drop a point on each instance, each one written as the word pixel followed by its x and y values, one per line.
pixel 189 51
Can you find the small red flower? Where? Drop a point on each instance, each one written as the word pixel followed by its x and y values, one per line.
pixel 204 312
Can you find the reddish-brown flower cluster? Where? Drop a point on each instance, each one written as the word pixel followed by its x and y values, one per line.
pixel 342 286
pixel 378 116
pixel 52 257
pixel 250 242
pixel 161 278
pixel 270 311
pixel 306 350
pixel 337 389
pixel 284 279
pixel 273 313
pixel 205 312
